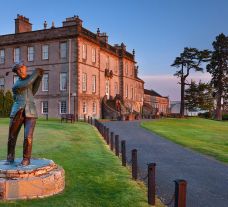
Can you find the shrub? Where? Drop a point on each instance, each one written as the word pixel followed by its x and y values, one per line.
pixel 225 117
pixel 206 115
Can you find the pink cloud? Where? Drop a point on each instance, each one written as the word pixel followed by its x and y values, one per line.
pixel 167 85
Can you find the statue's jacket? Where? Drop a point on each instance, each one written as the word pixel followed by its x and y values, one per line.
pixel 23 95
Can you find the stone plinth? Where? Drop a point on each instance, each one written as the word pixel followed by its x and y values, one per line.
pixel 40 179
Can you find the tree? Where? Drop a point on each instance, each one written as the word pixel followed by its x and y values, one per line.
pixel 8 102
pixel 191 96
pixel 189 59
pixel 199 96
pixel 1 103
pixel 218 68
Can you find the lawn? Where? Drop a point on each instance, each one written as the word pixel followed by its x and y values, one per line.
pixel 205 136
pixel 94 176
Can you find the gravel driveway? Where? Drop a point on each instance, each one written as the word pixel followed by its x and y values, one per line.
pixel 207 178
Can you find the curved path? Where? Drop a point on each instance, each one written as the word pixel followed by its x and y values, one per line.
pixel 207 178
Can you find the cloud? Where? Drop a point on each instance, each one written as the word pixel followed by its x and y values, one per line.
pixel 167 85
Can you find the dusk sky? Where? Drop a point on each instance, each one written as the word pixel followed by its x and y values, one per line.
pixel 158 30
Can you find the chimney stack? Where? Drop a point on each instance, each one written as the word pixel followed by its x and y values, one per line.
pixel 22 24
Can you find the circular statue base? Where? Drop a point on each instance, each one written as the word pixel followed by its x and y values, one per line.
pixel 42 178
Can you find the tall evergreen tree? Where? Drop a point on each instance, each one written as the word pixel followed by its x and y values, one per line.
pixel 189 59
pixel 218 68
pixel 8 102
pixel 199 96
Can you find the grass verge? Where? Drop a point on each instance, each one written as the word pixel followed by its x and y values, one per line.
pixel 94 176
pixel 205 136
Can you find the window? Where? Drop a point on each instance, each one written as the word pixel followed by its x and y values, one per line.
pixel 84 81
pixel 63 81
pixel 63 108
pixel 84 107
pixel 44 52
pixel 30 53
pixel 94 108
pixel 93 83
pixel 93 55
pixel 107 62
pixel 16 55
pixel 84 51
pixel 63 50
pixel 15 78
pixel 44 107
pixel 126 69
pixel 132 70
pixel 116 66
pixel 126 87
pixel 132 92
pixel 2 56
pixel 2 83
pixel 107 88
pixel 116 88
pixel 45 82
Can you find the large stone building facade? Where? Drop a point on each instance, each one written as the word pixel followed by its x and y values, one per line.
pixel 81 67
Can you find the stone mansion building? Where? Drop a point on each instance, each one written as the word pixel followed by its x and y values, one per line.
pixel 81 67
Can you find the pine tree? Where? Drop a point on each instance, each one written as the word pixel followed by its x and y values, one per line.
pixel 218 68
pixel 190 59
pixel 1 103
pixel 8 102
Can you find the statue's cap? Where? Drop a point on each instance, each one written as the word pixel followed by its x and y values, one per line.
pixel 17 65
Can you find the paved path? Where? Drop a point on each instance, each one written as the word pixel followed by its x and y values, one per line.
pixel 207 178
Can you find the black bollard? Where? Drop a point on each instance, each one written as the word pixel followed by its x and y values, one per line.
pixel 111 141
pixel 123 152
pixel 151 184
pixel 117 145
pixel 134 164
pixel 180 193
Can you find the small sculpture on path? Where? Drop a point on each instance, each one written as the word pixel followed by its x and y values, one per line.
pixel 23 111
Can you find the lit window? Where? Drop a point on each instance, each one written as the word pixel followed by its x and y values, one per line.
pixel 2 83
pixel 63 50
pixel 30 53
pixel 45 82
pixel 44 52
pixel 16 55
pixel 63 81
pixel 44 107
pixel 84 81
pixel 94 108
pixel 15 78
pixel 84 107
pixel 2 56
pixel 93 55
pixel 84 51
pixel 63 108
pixel 93 83
pixel 107 88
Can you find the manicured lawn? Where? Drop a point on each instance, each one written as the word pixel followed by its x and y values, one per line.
pixel 94 176
pixel 206 136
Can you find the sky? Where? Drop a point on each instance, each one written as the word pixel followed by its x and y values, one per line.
pixel 158 30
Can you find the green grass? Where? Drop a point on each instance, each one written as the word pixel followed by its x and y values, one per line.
pixel 94 176
pixel 205 136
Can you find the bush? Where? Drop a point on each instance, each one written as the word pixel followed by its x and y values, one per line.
pixel 206 115
pixel 225 117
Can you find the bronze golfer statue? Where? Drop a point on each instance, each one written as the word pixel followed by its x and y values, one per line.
pixel 23 111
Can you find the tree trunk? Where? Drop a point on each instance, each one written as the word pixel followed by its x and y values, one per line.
pixel 182 97
pixel 218 114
